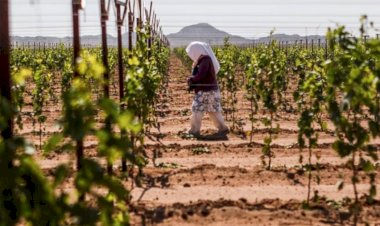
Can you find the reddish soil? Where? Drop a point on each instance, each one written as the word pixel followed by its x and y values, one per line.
pixel 198 182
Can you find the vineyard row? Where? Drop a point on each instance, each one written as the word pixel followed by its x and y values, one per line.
pixel 338 85
pixel 77 81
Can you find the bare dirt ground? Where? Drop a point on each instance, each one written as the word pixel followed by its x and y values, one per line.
pixel 197 182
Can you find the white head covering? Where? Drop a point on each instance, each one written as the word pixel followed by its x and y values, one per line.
pixel 196 49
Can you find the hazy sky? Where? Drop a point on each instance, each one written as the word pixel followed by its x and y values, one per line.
pixel 248 18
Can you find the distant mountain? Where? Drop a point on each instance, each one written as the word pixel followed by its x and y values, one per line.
pixel 206 33
pixel 198 32
pixel 290 38
pixel 92 40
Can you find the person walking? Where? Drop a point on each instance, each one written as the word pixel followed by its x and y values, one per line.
pixel 203 81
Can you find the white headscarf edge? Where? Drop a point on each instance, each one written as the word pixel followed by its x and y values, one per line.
pixel 196 49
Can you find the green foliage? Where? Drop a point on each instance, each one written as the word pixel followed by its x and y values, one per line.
pixel 228 78
pixel 200 150
pixel 342 81
pixel 28 196
pixel 182 55
pixel 25 192
pixel 352 101
pixel 171 165
pixel 307 68
pixel 42 67
pixel 266 83
pixel 144 77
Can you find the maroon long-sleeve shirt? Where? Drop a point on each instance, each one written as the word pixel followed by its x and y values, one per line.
pixel 204 78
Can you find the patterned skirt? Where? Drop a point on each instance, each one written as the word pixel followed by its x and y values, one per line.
pixel 207 101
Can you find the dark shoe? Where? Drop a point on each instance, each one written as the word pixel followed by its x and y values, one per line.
pixel 219 136
pixel 223 132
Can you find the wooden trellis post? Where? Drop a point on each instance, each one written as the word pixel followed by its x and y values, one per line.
pixel 149 31
pixel 120 21
pixel 76 6
pixel 131 19
pixel 5 75
pixel 104 9
pixel 286 48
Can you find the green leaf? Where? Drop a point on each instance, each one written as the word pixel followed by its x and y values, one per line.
pixel 134 61
pixel 52 143
pixel 342 148
pixel 373 190
pixel 367 166
pixel 128 122
pixel 20 77
pixel 60 175
pixel 340 185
